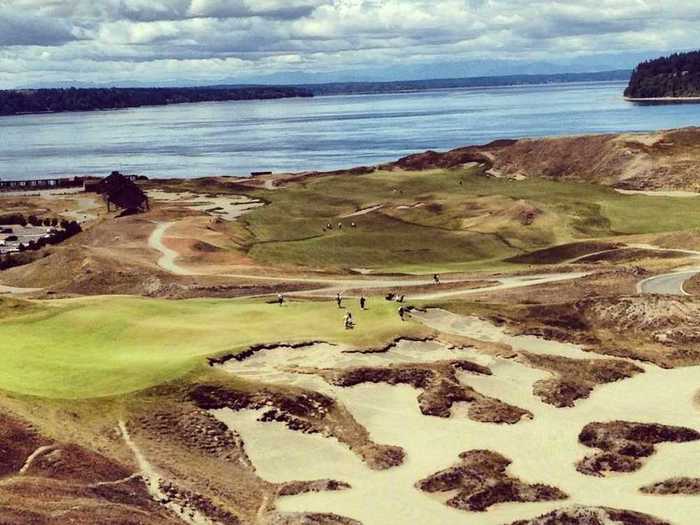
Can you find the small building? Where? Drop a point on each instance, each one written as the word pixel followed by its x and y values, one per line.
pixel 121 191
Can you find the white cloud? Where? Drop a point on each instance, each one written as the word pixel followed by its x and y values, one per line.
pixel 22 29
pixel 101 40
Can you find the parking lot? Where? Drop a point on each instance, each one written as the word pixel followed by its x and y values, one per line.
pixel 11 236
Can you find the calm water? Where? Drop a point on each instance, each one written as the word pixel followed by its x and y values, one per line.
pixel 235 138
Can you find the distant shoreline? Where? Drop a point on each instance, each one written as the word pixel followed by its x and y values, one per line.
pixel 48 101
pixel 28 101
pixel 664 99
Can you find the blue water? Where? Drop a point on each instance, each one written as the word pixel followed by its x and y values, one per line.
pixel 324 133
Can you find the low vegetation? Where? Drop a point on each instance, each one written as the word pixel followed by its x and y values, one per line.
pixel 445 220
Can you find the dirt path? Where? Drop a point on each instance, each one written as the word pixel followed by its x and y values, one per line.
pixel 667 284
pixel 154 480
pixel 363 211
pixel 13 290
pixel 648 247
pixel 168 257
pixel 507 283
pixel 168 261
pixel 329 286
pixel 671 283
pixel 33 456
pixel 660 193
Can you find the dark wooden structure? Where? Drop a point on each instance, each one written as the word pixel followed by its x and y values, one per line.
pixel 121 191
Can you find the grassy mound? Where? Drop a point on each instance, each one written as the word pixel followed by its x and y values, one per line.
pixel 446 220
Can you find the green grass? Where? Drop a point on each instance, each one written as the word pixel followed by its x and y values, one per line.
pixel 433 237
pixel 105 346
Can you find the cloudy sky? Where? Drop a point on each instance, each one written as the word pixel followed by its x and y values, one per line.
pixel 121 42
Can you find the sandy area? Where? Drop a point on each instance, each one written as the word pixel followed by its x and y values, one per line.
pixel 13 290
pixel 363 211
pixel 69 203
pixel 86 204
pixel 660 193
pixel 277 365
pixel 543 450
pixel 485 331
pixel 227 207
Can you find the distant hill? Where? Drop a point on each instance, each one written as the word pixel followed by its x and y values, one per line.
pixel 398 86
pixel 14 102
pixel 343 88
pixel 674 76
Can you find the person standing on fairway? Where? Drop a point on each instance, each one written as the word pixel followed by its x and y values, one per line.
pixel 280 299
pixel 363 302
pixel 339 299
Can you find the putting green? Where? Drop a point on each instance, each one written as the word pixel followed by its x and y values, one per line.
pixel 103 346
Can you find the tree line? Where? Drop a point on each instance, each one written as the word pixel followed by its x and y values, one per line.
pixel 677 75
pixel 14 102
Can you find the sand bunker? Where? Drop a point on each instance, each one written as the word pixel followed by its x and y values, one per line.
pixel 226 207
pixel 545 449
pixel 485 331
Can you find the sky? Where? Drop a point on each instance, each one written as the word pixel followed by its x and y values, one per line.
pixel 189 42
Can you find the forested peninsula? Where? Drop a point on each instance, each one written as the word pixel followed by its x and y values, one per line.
pixel 16 102
pixel 673 77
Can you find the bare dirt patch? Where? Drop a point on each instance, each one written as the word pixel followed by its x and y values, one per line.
pixel 294 488
pixel 309 519
pixel 687 486
pixel 575 378
pixel 41 478
pixel 664 330
pixel 481 481
pixel 623 444
pixel 439 385
pixel 19 440
pixel 593 516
